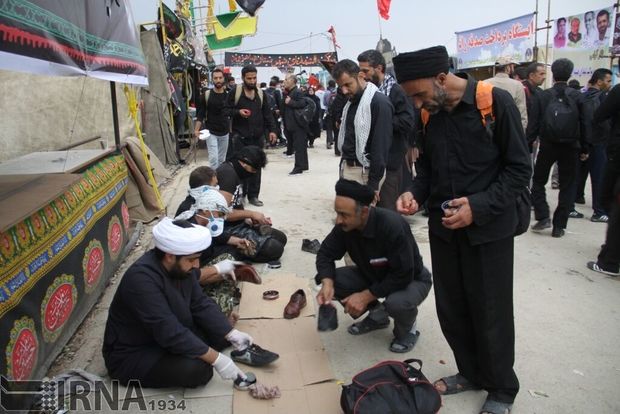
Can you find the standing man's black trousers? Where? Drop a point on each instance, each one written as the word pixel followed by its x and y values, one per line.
pixel 609 257
pixel 566 157
pixel 300 144
pixel 473 295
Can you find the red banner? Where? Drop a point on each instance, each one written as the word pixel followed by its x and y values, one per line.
pixel 384 8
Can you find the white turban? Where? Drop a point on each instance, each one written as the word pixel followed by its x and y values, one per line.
pixel 180 241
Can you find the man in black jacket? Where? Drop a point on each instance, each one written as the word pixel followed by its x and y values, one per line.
pixel 276 103
pixel 251 121
pixel 387 265
pixel 536 75
pixel 608 261
pixel 372 65
pixel 597 134
pixel 295 128
pixel 470 181
pixel 161 329
pixel 365 134
pixel 566 150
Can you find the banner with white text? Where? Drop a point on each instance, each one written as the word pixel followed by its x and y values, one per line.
pixel 512 38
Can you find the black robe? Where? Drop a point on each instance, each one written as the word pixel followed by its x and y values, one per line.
pixel 152 315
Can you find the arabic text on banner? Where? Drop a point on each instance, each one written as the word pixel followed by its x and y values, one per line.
pixel 483 46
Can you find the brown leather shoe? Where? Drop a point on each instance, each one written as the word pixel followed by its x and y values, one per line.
pixel 247 273
pixel 294 306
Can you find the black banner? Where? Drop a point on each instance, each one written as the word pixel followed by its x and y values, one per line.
pixel 89 37
pixel 278 60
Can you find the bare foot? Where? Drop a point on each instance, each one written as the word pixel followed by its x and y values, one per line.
pixel 233 318
pixel 440 386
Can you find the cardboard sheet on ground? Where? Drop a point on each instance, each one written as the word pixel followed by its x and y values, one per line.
pixel 253 306
pixel 217 387
pixel 319 398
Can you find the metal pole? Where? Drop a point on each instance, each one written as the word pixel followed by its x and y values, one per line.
pixel 117 133
pixel 548 27
pixel 535 54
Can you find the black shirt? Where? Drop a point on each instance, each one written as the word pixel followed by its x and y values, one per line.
pixel 291 121
pixel 403 127
pixel 597 133
pixel 387 236
pixel 532 102
pixel 152 315
pixel 459 159
pixel 610 109
pixel 229 181
pixel 217 122
pixel 379 139
pixel 260 121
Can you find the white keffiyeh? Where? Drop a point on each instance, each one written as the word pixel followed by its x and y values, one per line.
pixel 362 122
pixel 208 200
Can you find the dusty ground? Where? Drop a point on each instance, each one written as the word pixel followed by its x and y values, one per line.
pixel 567 317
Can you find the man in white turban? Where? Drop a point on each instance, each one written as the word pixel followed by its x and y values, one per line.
pixel 161 329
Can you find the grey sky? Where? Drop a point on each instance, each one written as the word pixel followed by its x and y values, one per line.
pixel 413 24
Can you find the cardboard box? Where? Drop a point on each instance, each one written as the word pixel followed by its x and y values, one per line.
pixel 253 306
pixel 312 399
pixel 302 372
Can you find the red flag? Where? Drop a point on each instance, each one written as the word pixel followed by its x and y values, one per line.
pixel 332 31
pixel 384 8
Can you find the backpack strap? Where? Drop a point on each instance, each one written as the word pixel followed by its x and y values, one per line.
pixel 238 91
pixel 484 102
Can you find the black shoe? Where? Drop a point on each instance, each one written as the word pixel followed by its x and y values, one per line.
pixel 254 356
pixel 580 200
pixel 598 268
pixel 541 225
pixel 338 154
pixel 328 318
pixel 557 232
pixel 295 172
pixel 310 246
pixel 599 218
pixel 255 202
pixel 575 214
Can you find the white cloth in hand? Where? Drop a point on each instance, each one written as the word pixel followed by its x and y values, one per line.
pixel 226 268
pixel 227 369
pixel 239 340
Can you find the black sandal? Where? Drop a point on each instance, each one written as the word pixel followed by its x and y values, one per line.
pixel 495 407
pixel 456 384
pixel 367 325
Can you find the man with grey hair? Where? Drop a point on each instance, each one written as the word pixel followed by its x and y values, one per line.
pixel 295 127
pixel 372 65
pixel 504 67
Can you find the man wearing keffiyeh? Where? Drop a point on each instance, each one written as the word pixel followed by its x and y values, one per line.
pixel 372 65
pixel 365 134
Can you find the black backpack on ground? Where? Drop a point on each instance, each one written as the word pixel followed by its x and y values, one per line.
pixel 390 387
pixel 560 121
